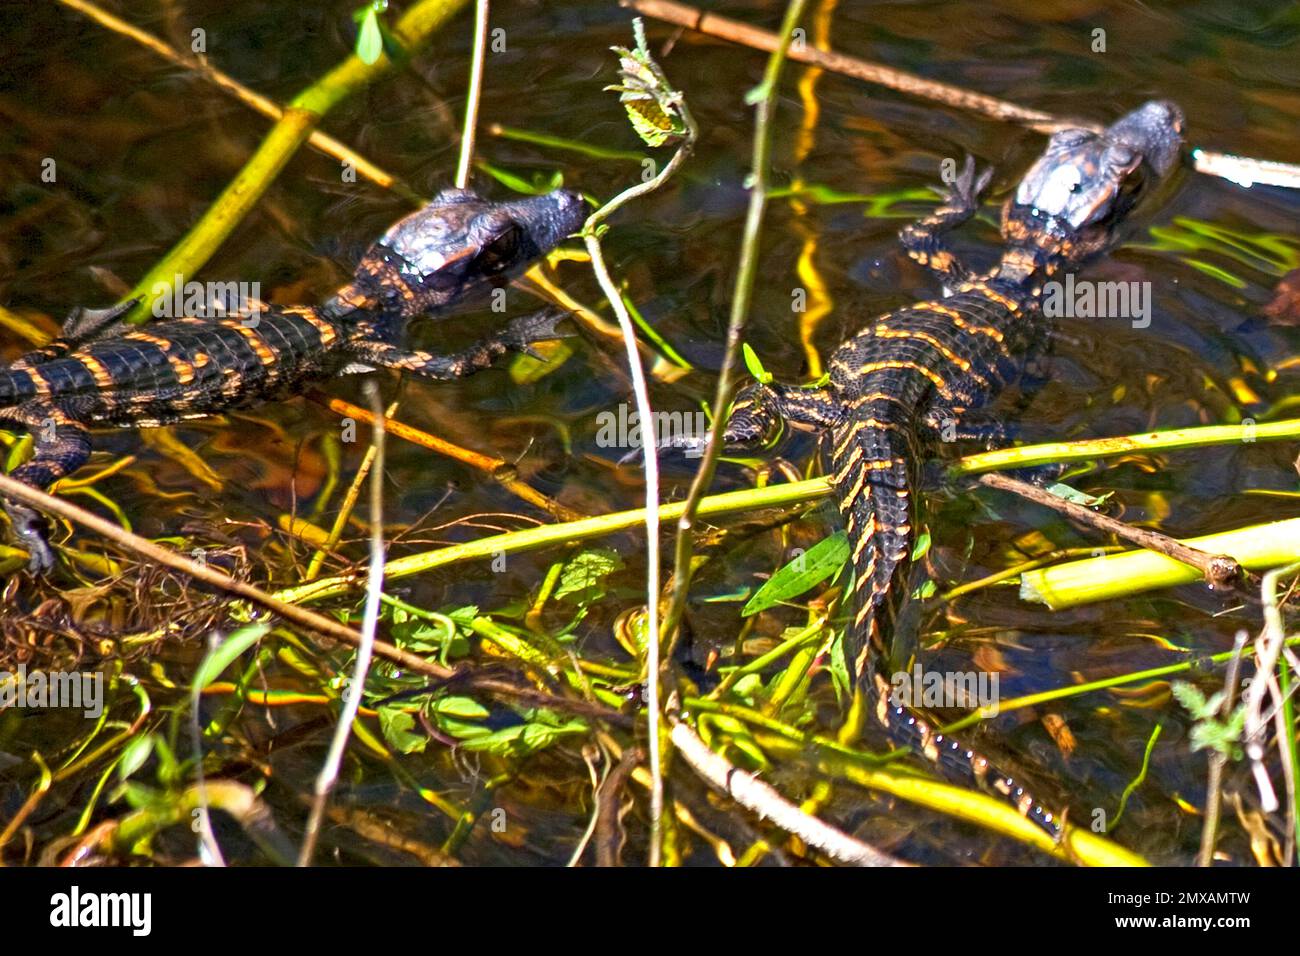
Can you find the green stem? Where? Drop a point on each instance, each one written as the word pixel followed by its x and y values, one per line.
pixel 1074 690
pixel 1139 779
pixel 758 664
pixel 1029 455
pixel 529 539
pixel 1077 845
pixel 765 98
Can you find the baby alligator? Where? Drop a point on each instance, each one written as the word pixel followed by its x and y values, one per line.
pixel 103 372
pixel 915 374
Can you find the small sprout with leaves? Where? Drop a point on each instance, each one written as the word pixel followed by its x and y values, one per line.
pixel 1210 731
pixel 653 106
pixel 755 365
pixel 373 37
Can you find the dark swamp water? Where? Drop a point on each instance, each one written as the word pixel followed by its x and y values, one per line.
pixel 142 148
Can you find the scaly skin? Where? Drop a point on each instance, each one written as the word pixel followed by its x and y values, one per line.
pixel 916 373
pixel 103 373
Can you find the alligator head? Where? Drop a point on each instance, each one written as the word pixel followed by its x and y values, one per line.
pixel 1070 203
pixel 457 246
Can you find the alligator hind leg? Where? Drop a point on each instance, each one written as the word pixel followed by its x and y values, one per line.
pixel 954 423
pixel 79 328
pixel 924 239
pixel 62 446
pixel 518 336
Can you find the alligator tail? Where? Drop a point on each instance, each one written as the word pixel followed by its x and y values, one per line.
pixel 874 484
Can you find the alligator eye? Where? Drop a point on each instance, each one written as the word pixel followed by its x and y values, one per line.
pixel 500 253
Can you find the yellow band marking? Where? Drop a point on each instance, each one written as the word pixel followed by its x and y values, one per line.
pixel 931 374
pixel 884 332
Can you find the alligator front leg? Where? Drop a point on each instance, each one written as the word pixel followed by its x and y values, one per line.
pixel 519 335
pixel 62 446
pixel 924 240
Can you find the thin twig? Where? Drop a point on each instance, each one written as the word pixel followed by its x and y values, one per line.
pixel 649 452
pixel 498 468
pixel 589 754
pixel 349 502
pixel 1268 650
pixel 1218 759
pixel 609 830
pixel 734 31
pixel 1220 570
pixel 1245 171
pixel 741 298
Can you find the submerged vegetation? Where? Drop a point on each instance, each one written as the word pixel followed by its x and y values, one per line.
pixel 578 707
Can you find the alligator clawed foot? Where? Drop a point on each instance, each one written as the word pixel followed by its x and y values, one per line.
pixel 521 333
pixel 84 324
pixel 964 192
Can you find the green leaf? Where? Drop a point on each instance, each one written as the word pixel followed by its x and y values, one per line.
pixel 755 366
pixel 460 729
pixel 429 637
pixel 839 668
pixel 139 796
pixel 1220 736
pixel 921 546
pixel 227 652
pixel 398 729
pixel 466 708
pixel 1069 493
pixel 749 688
pixel 538 186
pixel 524 738
pixel 809 569
pixel 134 756
pixel 527 369
pixel 370 41
pixel 1189 695
pixel 169 768
pixel 464 616
pixel 583 579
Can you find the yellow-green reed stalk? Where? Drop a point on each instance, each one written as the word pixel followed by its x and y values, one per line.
pixel 1255 548
pixel 776 496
